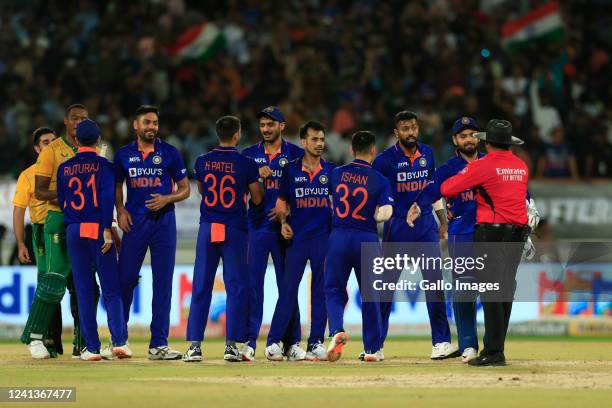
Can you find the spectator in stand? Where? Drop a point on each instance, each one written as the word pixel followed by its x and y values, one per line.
pixel 599 156
pixel 556 159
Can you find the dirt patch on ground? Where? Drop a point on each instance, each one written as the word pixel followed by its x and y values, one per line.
pixel 558 376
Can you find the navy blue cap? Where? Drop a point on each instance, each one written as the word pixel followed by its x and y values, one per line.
pixel 273 112
pixel 464 122
pixel 87 131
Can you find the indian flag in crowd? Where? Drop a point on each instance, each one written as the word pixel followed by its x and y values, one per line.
pixel 202 41
pixel 541 24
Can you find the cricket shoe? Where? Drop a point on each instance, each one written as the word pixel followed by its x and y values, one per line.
pixel 496 359
pixel 334 351
pixel 122 351
pixel 441 351
pixel 468 354
pixel 274 352
pixel 232 353
pixel 87 355
pixel 193 354
pixel 373 357
pixel 381 355
pixel 164 353
pixel 295 353
pixel 38 351
pixel 247 352
pixel 107 352
pixel 316 352
pixel 76 353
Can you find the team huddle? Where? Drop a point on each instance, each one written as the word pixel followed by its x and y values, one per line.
pixel 272 199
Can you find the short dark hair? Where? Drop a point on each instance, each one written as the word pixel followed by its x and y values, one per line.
pixel 144 109
pixel 362 141
pixel 226 127
pixel 38 133
pixel 311 124
pixel 74 106
pixel 500 146
pixel 404 115
pixel 88 143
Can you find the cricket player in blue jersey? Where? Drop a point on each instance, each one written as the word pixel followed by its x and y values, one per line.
pixel 225 178
pixel 305 214
pixel 86 195
pixel 150 169
pixel 272 154
pixel 409 165
pixel 361 197
pixel 461 212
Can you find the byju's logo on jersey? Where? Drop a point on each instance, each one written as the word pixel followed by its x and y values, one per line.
pixel 157 159
pixel 323 179
pixel 299 192
pixel 423 162
pixel 134 159
pixel 283 161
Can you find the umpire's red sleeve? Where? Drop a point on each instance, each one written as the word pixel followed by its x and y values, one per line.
pixel 471 176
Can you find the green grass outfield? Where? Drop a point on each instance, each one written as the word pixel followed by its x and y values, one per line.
pixel 554 372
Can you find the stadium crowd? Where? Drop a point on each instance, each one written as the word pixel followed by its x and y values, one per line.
pixel 350 64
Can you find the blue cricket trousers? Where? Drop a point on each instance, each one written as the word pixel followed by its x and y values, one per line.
pixel 425 230
pixel 261 245
pixel 85 253
pixel 298 253
pixel 343 255
pixel 464 302
pixel 157 232
pixel 233 251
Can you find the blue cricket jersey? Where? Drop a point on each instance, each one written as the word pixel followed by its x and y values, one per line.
pixel 258 216
pixel 308 196
pixel 407 176
pixel 154 173
pixel 461 209
pixel 225 175
pixel 357 189
pixel 86 189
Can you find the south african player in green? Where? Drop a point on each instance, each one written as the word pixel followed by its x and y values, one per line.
pixel 56 277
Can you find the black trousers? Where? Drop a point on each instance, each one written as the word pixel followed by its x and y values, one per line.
pixel 503 246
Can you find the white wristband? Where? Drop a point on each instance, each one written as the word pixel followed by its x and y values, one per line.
pixel 438 205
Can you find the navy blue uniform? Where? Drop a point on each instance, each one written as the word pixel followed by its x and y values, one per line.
pixel 408 176
pixel 357 190
pixel 225 176
pixel 265 238
pixel 86 195
pixel 146 174
pixel 308 197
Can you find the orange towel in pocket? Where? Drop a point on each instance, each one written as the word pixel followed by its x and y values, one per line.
pixel 217 233
pixel 90 230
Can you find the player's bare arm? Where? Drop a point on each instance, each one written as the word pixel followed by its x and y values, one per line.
pixel 159 201
pixel 124 218
pixel 19 231
pixel 383 213
pixel 42 191
pixel 257 193
pixel 438 206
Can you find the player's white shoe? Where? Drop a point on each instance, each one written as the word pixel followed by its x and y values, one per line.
pixel 107 352
pixel 316 352
pixel 38 351
pixel 87 355
pixel 231 353
pixel 372 357
pixel 247 352
pixel 164 353
pixel 122 352
pixel 334 351
pixel 441 351
pixel 193 354
pixel 469 354
pixel 274 352
pixel 296 353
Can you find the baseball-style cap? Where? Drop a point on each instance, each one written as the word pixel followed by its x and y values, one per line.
pixel 464 122
pixel 273 112
pixel 87 131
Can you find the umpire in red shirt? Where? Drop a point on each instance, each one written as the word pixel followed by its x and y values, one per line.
pixel 500 181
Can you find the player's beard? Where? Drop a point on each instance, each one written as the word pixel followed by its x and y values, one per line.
pixel 470 152
pixel 271 138
pixel 148 136
pixel 408 144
